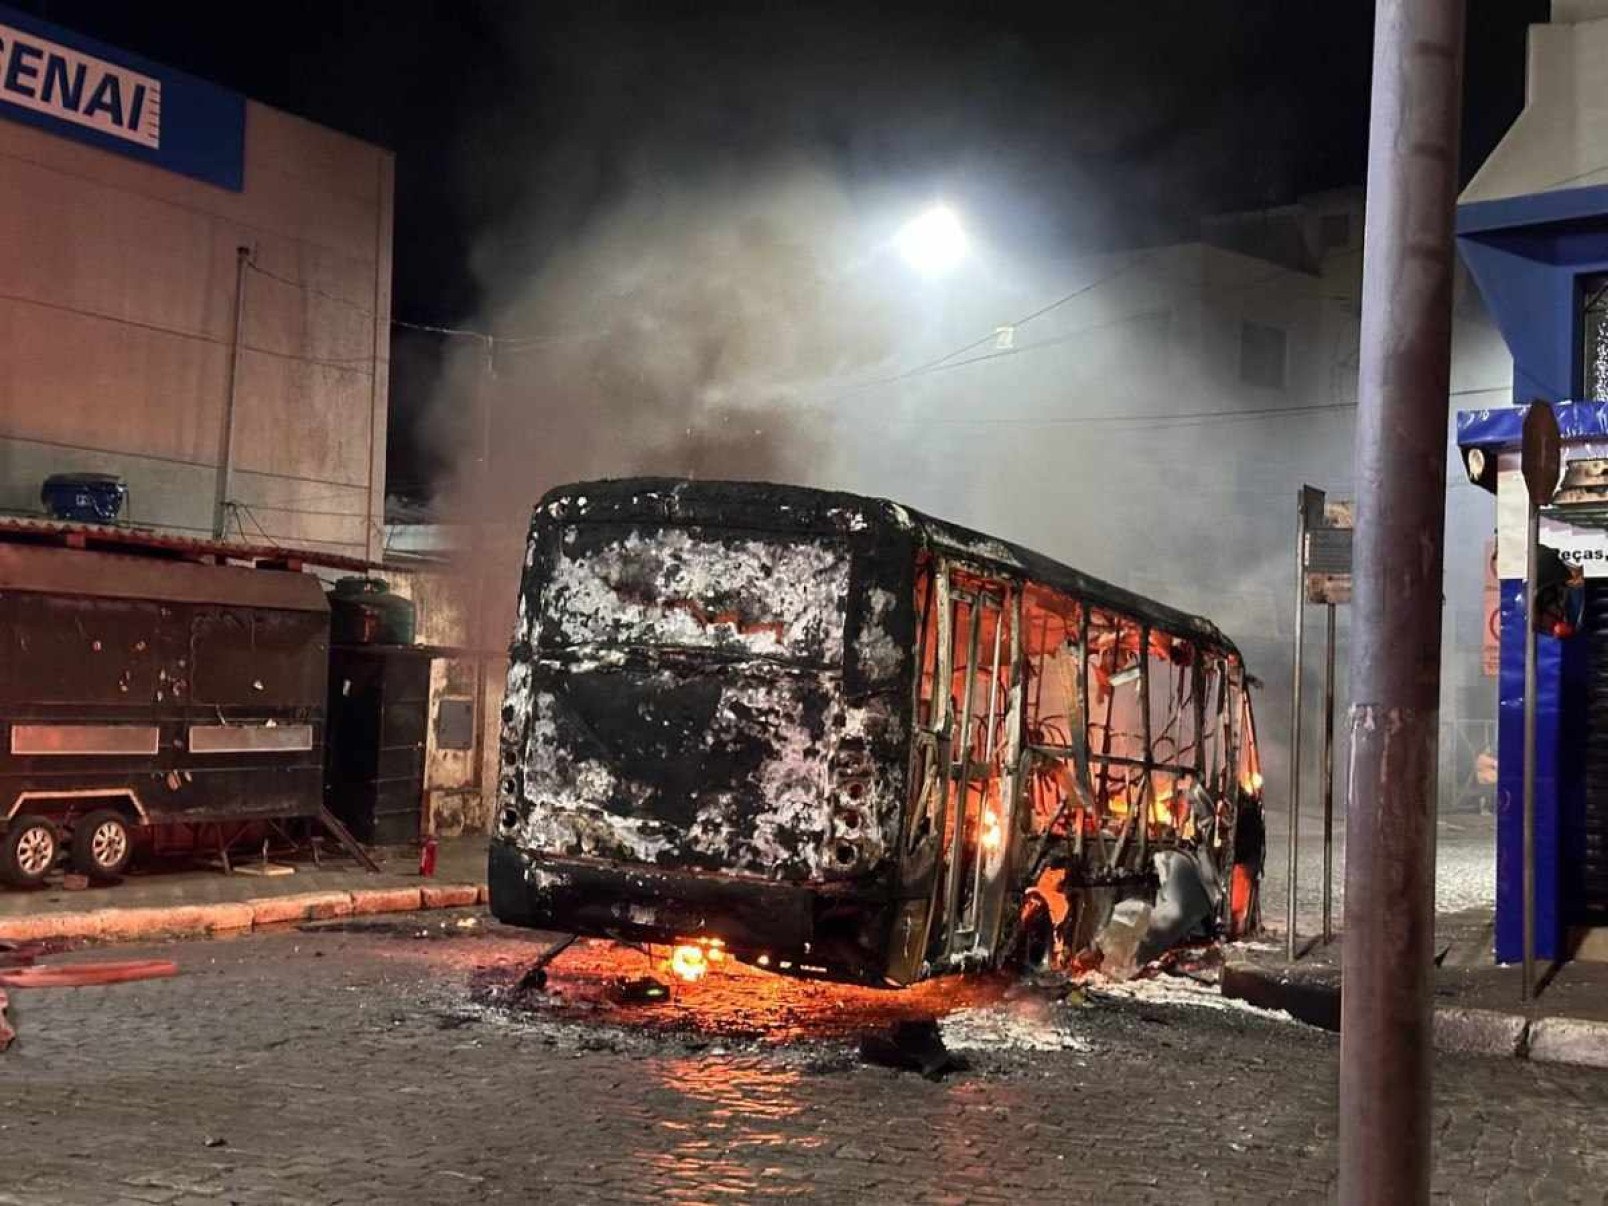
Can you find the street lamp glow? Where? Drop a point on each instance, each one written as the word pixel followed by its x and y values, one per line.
pixel 934 242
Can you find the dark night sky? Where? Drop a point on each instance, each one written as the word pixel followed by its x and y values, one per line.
pixel 1177 108
pixel 1061 126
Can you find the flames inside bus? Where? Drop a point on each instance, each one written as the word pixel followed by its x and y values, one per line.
pixel 832 737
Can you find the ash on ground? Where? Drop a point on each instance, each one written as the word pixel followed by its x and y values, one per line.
pixel 594 999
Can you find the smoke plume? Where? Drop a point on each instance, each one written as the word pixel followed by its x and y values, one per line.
pixel 691 275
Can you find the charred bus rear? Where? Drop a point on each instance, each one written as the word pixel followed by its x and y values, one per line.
pixel 840 738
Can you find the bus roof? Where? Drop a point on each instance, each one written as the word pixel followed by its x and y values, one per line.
pixel 768 507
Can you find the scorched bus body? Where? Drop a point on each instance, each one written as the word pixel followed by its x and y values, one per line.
pixel 837 737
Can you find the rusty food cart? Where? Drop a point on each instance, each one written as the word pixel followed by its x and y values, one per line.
pixel 148 684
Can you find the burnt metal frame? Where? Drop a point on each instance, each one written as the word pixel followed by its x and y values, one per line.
pixel 1233 697
pixel 992 891
pixel 955 826
pixel 978 602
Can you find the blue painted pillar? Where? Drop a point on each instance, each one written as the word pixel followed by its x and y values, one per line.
pixel 1555 782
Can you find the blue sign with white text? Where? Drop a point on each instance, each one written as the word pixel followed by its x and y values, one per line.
pixel 83 89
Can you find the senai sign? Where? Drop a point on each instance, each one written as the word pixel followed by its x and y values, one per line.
pixel 77 87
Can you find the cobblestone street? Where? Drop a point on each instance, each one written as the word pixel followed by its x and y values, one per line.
pixel 363 1063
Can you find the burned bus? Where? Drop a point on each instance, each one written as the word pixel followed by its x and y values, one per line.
pixel 835 737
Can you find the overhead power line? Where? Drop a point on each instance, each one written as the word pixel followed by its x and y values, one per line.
pixel 947 362
pixel 1027 318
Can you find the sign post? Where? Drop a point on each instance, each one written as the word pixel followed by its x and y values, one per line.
pixel 1541 458
pixel 1309 510
pixel 1323 575
pixel 1328 581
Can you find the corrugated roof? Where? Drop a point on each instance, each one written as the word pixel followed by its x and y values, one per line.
pixel 110 538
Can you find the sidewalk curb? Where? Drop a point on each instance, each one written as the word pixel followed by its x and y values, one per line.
pixel 1314 998
pixel 1480 1032
pixel 1569 1041
pixel 232 917
pixel 1308 994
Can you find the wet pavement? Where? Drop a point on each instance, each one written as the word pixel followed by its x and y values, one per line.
pixel 389 1061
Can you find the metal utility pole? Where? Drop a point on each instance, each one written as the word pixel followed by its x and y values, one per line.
pixel 223 497
pixel 1327 762
pixel 1385 1036
pixel 1310 500
pixel 479 625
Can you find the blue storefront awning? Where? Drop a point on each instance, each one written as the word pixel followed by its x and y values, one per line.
pixel 1502 428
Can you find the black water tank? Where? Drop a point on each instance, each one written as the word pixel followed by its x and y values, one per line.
pixel 363 611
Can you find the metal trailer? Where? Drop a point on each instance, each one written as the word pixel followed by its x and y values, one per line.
pixel 139 691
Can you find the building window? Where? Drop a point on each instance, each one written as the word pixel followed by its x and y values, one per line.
pixel 1262 354
pixel 1334 231
pixel 1594 338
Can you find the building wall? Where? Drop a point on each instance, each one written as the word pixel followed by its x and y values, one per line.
pixel 1558 143
pixel 454 801
pixel 1137 450
pixel 1560 140
pixel 117 321
pixel 1126 440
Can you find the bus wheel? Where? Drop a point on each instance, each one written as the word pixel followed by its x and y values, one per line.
pixel 28 852
pixel 102 846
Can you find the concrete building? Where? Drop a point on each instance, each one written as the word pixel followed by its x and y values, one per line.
pixel 1153 428
pixel 432 565
pixel 172 254
pixel 1166 416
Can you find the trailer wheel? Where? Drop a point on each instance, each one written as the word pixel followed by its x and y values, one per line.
pixel 102 845
pixel 28 851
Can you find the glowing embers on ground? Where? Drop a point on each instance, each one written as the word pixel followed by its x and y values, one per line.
pixel 598 981
pixel 688 963
pixel 691 960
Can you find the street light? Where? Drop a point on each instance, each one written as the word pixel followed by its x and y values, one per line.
pixel 933 242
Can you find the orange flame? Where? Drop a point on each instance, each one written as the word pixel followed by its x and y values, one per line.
pixel 688 963
pixel 993 834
